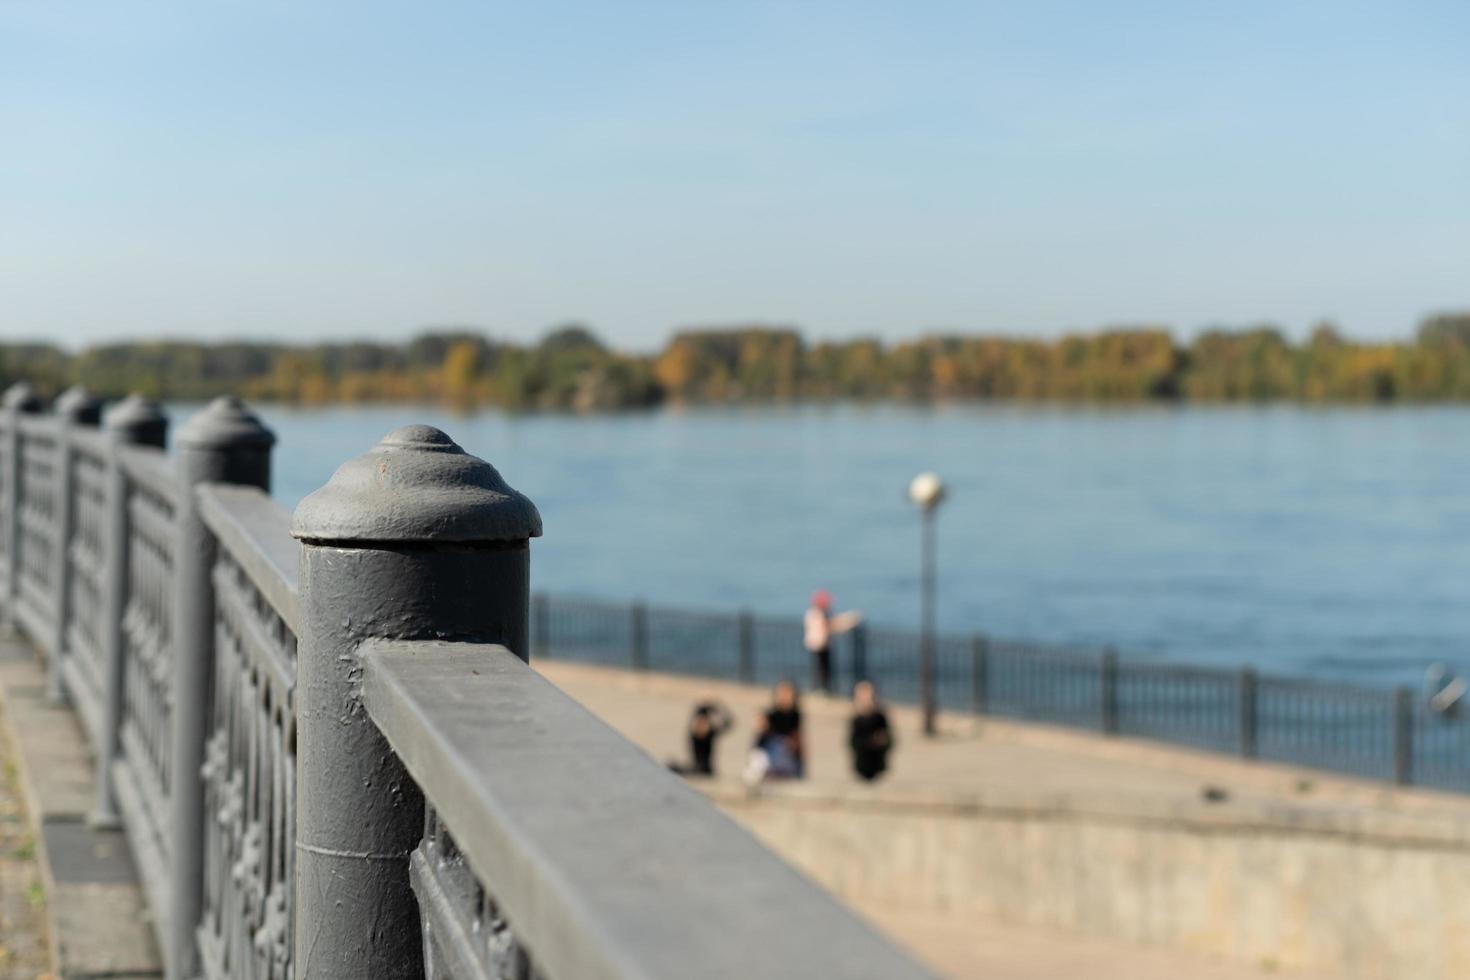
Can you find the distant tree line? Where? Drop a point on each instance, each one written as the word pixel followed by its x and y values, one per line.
pixel 570 368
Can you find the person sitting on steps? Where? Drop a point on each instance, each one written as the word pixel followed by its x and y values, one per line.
pixel 709 720
pixel 869 736
pixel 778 752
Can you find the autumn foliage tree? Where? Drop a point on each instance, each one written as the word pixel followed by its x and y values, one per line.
pixel 571 368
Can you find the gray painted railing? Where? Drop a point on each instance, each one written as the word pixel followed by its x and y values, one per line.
pixel 326 756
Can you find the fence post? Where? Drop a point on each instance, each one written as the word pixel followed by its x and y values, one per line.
pixel 859 652
pixel 747 646
pixel 224 443
pixel 73 408
pixel 638 636
pixel 413 540
pixel 133 421
pixel 541 624
pixel 980 675
pixel 1248 719
pixel 19 399
pixel 1403 736
pixel 1109 678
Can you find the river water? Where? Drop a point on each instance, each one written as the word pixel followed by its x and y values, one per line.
pixel 1324 542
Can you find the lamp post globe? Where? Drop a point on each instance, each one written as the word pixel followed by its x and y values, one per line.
pixel 927 491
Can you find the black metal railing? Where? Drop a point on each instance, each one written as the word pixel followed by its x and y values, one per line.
pixel 1379 733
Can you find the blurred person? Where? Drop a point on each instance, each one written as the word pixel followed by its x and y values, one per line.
pixel 778 752
pixel 869 735
pixel 820 626
pixel 709 720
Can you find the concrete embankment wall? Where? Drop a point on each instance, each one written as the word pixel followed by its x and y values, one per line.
pixel 1341 892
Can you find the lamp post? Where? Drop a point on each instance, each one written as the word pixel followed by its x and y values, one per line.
pixel 927 492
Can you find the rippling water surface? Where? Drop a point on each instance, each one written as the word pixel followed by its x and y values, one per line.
pixel 1332 542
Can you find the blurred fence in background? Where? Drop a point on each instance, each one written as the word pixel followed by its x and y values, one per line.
pixel 1389 734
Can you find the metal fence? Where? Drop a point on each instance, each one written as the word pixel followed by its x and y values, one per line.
pixel 1378 733
pixel 326 757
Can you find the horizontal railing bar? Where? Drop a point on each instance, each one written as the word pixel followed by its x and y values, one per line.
pixel 604 863
pixel 1159 670
pixel 256 648
pixel 44 426
pixel 256 531
pixel 1302 687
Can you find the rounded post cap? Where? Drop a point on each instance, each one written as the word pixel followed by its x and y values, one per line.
pixel 224 423
pixel 77 403
pixel 417 484
pixel 135 412
pixel 21 397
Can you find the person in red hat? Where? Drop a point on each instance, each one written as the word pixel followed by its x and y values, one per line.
pixel 820 626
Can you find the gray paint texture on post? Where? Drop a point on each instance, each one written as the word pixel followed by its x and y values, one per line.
pixel 133 421
pixel 224 443
pixel 414 540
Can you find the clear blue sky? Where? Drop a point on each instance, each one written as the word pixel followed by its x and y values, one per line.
pixel 278 169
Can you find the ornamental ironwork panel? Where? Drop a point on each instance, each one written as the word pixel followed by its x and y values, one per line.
pixel 465 935
pixel 250 786
pixel 39 455
pixel 85 564
pixel 149 656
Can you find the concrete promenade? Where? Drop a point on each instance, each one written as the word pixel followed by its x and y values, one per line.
pixel 973 772
pixel 1039 772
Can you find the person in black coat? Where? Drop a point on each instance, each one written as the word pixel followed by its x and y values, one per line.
pixel 709 720
pixel 778 752
pixel 869 737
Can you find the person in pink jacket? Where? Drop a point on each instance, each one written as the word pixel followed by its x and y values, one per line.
pixel 820 625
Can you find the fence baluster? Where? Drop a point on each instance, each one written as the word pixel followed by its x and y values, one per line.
pixel 540 609
pixel 980 675
pixel 1108 677
pixel 860 652
pixel 1403 736
pixel 747 647
pixel 414 541
pixel 1249 720
pixel 638 636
